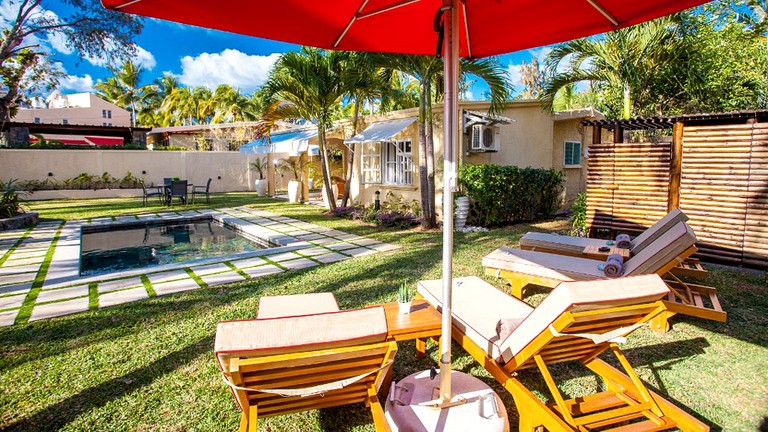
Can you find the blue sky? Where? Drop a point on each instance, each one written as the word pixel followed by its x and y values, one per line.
pixel 199 57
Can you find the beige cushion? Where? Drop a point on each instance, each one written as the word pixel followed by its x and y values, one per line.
pixel 580 296
pixel 477 307
pixel 663 225
pixel 296 305
pixel 574 245
pixel 661 251
pixel 254 338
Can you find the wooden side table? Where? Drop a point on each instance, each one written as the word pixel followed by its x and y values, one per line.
pixel 422 322
pixel 593 252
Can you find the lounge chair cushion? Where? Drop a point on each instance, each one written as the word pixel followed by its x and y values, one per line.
pixel 296 305
pixel 647 237
pixel 260 337
pixel 477 308
pixel 668 246
pixel 571 245
pixel 581 296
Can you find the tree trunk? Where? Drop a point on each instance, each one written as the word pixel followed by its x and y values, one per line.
pixel 351 154
pixel 430 161
pixel 324 166
pixel 423 174
pixel 627 102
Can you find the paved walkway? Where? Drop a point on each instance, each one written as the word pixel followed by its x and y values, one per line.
pixel 37 271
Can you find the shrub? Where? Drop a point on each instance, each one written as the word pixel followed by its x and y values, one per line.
pixel 503 194
pixel 83 181
pixel 10 201
pixel 578 216
pixel 389 219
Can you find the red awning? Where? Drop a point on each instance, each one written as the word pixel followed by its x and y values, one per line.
pixel 104 141
pixel 407 26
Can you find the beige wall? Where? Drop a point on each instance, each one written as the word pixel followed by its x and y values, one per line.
pixel 88 112
pixel 532 139
pixel 197 167
pixel 575 177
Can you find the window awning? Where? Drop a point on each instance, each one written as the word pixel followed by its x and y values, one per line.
pixel 290 141
pixel 381 131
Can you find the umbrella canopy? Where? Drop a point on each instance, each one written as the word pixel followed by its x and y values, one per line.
pixel 407 26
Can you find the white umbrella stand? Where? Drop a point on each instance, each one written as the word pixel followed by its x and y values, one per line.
pixel 460 402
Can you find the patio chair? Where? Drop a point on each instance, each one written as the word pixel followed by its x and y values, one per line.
pixel 202 190
pixel 148 194
pixel 575 323
pixel 579 246
pixel 178 190
pixel 523 267
pixel 282 365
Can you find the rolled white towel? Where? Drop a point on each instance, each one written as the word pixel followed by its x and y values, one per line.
pixel 623 241
pixel 614 266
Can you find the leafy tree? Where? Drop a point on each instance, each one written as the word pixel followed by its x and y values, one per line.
pixel 89 29
pixel 308 84
pixel 533 78
pixel 626 61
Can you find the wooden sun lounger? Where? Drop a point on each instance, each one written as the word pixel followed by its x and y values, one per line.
pixel 522 268
pixel 562 329
pixel 589 247
pixel 284 365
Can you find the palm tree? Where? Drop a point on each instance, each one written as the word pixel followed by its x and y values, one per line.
pixel 308 84
pixel 428 71
pixel 624 59
pixel 123 88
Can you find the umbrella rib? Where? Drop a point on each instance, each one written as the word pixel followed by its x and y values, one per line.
pixel 604 12
pixel 126 4
pixel 360 15
pixel 466 28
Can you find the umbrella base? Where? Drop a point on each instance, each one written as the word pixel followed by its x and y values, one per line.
pixel 411 406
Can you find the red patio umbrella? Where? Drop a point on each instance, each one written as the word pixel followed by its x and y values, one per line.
pixel 468 28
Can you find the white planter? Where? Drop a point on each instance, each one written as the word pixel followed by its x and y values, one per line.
pixel 404 308
pixel 311 183
pixel 334 190
pixel 461 212
pixel 294 191
pixel 261 187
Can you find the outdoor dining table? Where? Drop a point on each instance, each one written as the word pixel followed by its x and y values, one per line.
pixel 165 190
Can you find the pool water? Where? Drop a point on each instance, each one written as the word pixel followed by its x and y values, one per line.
pixel 126 248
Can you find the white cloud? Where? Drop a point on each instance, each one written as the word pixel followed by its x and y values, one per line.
pixel 247 72
pixel 76 84
pixel 141 56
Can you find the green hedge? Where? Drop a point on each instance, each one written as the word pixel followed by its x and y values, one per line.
pixel 504 194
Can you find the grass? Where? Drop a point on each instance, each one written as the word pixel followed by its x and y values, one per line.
pixel 149 366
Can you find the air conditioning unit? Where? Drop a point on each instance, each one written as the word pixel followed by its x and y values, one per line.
pixel 484 139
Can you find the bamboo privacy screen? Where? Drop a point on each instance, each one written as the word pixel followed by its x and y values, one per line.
pixel 723 188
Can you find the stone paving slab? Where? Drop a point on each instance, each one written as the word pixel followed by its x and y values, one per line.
pixel 330 258
pixel 222 278
pixel 175 286
pixel 59 309
pixel 62 293
pixel 14 301
pixel 248 262
pixel 13 261
pixel 29 254
pixel 260 271
pixel 360 241
pixel 7 318
pixel 359 252
pixel 157 278
pixel 385 247
pixel 341 246
pixel 299 264
pixel 15 289
pixel 120 297
pixel 11 279
pixel 120 284
pixel 313 251
pixel 283 257
pixel 211 268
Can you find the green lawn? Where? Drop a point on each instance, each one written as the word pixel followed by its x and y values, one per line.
pixel 149 365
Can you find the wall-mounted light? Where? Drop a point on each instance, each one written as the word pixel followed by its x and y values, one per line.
pixel 219 177
pixel 143 172
pixel 50 174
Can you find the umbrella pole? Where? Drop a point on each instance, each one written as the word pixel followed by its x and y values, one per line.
pixel 450 108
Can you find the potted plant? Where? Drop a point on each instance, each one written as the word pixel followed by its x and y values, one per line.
pixel 294 166
pixel 404 299
pixel 260 166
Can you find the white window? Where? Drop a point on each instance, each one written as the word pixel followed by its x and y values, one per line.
pixel 109 113
pixel 572 154
pixel 399 163
pixel 103 113
pixel 37 120
pixel 64 121
pixel 371 162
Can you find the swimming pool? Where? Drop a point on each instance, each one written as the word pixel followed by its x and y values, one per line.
pixel 124 247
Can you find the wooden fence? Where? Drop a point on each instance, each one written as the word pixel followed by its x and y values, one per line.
pixel 717 175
